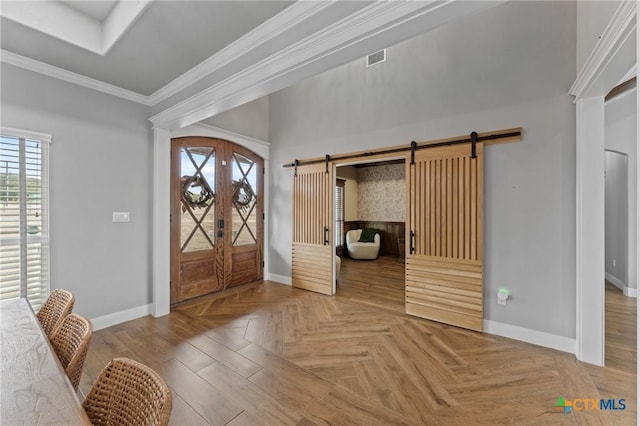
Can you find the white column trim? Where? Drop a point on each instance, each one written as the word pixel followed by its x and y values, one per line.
pixel 590 230
pixel 611 59
pixel 161 226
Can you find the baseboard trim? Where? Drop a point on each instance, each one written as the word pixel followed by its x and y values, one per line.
pixel 540 338
pixel 119 317
pixel 615 281
pixel 627 291
pixel 279 278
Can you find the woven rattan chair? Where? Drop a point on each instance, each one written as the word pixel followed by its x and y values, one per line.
pixel 128 393
pixel 59 304
pixel 71 341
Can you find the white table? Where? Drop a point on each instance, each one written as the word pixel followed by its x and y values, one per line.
pixel 34 387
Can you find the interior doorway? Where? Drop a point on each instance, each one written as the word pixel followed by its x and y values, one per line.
pixel 373 196
pixel 616 208
pixel 620 310
pixel 444 231
pixel 216 216
pixel 444 208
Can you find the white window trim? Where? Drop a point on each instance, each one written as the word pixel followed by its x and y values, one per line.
pixel 43 138
pixel 26 134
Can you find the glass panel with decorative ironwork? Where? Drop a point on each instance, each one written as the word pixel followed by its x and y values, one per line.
pixel 197 198
pixel 244 200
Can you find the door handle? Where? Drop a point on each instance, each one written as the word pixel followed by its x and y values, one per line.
pixel 412 247
pixel 326 235
pixel 220 232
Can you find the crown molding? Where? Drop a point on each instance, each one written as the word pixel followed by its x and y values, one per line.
pixel 270 29
pixel 288 65
pixel 615 35
pixel 67 24
pixel 265 32
pixel 71 77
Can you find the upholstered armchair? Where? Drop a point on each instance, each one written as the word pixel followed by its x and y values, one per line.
pixel 362 250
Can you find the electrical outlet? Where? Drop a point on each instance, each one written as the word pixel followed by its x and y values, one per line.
pixel 503 296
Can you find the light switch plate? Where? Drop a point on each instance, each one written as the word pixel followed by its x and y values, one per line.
pixel 120 217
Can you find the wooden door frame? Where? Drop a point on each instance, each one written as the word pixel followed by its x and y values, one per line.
pixel 161 276
pixel 231 261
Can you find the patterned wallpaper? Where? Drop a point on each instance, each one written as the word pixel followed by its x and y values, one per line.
pixel 381 193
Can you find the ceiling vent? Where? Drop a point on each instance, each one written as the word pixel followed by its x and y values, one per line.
pixel 376 58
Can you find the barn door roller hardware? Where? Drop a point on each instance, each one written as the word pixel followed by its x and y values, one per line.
pixel 327 158
pixel 499 136
pixel 474 141
pixel 414 145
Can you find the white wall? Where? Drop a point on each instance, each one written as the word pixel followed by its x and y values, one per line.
pixel 100 162
pixel 250 119
pixel 593 17
pixel 621 121
pixel 506 67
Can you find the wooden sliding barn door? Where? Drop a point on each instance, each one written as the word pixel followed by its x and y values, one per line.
pixel 312 250
pixel 444 265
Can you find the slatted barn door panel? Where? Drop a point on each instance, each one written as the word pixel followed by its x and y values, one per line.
pixel 444 267
pixel 312 252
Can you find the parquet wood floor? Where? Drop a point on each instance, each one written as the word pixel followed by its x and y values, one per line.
pixel 269 354
pixel 620 323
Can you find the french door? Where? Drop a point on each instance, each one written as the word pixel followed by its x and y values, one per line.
pixel 444 269
pixel 313 255
pixel 216 216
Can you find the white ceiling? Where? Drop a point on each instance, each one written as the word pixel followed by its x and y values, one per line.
pixel 193 59
pixel 163 40
pixel 98 9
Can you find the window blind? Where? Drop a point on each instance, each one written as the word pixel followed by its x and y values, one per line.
pixel 339 228
pixel 24 218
